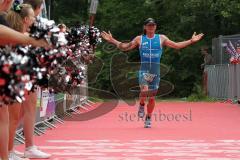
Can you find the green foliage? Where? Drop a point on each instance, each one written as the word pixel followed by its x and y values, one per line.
pixel 198 95
pixel 69 11
pixel 176 19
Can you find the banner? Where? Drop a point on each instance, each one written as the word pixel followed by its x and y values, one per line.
pixel 39 96
pixel 51 105
pixel 44 103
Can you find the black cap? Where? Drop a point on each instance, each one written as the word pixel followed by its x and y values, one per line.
pixel 149 20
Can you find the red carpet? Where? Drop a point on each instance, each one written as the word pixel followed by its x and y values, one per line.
pixel 190 131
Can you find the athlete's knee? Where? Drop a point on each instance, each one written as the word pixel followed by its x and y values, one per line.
pixel 151 99
pixel 143 94
pixel 144 88
pixel 144 91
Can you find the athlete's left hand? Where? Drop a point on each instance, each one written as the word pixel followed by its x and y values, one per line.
pixel 196 38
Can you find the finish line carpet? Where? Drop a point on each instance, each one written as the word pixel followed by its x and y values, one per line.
pixel 180 131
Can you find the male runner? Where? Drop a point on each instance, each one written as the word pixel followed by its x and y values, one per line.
pixel 150 49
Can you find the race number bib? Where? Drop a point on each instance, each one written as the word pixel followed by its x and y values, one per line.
pixel 149 77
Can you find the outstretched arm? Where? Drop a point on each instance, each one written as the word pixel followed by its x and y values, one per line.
pixel 122 46
pixel 178 45
pixel 10 36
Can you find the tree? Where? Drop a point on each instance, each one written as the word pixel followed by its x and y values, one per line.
pixel 176 19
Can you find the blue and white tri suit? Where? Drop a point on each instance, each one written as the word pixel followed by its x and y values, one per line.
pixel 150 52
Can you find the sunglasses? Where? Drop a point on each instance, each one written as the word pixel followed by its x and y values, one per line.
pixel 151 24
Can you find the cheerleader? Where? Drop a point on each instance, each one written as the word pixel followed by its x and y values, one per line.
pixel 9 36
pixel 21 18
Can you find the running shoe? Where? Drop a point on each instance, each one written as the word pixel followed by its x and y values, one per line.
pixel 19 154
pixel 34 152
pixel 141 111
pixel 13 156
pixel 148 122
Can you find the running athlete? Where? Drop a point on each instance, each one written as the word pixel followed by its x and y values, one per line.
pixel 151 49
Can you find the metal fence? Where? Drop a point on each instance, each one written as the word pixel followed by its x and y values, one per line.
pixel 53 109
pixel 223 81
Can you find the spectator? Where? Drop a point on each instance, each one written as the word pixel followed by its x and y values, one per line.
pixel 208 60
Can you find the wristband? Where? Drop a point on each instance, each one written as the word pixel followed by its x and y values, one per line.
pixel 191 41
pixel 118 45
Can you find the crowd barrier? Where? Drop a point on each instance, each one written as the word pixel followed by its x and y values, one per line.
pixel 53 108
pixel 223 81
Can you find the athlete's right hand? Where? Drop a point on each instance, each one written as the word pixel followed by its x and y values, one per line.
pixel 107 36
